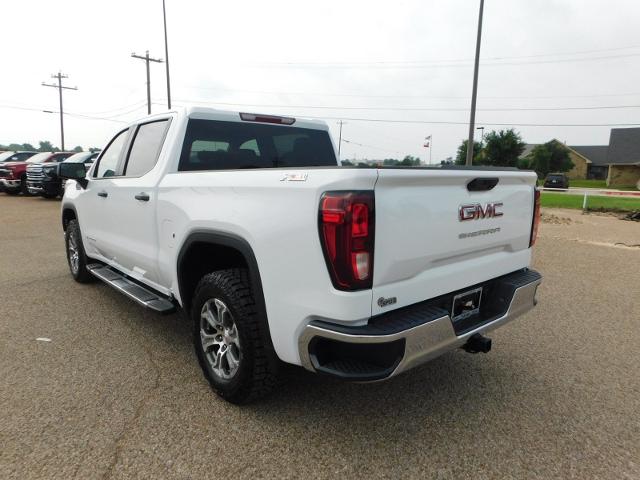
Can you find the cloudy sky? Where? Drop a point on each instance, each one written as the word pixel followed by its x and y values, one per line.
pixel 395 72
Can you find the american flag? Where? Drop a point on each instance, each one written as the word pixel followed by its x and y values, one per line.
pixel 427 140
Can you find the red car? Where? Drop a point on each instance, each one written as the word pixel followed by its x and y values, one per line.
pixel 13 175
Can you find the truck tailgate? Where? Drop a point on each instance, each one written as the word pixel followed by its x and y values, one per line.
pixel 422 247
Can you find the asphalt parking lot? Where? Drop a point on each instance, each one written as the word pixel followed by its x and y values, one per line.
pixel 117 392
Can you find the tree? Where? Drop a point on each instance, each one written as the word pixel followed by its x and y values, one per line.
pixel 347 163
pixel 502 149
pixel 461 156
pixel 549 157
pixel 77 149
pixel 16 147
pixel 410 161
pixel 96 149
pixel 47 146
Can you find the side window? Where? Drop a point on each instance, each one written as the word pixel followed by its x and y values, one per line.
pixel 20 156
pixel 146 147
pixel 110 157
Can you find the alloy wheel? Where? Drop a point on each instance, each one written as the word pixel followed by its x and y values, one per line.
pixel 219 339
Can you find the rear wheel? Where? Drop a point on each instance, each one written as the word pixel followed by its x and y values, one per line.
pixel 12 191
pixel 76 257
pixel 230 343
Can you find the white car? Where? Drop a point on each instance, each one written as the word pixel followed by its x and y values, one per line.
pixel 277 254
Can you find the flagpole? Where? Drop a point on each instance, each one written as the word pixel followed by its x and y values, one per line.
pixel 428 143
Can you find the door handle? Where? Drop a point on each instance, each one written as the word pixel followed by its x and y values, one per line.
pixel 142 196
pixel 103 194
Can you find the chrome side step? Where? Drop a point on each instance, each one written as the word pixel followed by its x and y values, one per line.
pixel 143 296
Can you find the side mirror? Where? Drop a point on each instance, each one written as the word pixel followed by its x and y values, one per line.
pixel 73 171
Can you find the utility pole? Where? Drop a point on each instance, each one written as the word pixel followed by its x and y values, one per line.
pixel 166 55
pixel 60 87
pixel 340 137
pixel 474 93
pixel 148 59
pixel 481 136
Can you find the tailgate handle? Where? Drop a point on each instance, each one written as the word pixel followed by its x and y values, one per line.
pixel 482 184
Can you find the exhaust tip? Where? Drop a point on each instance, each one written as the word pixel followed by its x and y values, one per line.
pixel 478 343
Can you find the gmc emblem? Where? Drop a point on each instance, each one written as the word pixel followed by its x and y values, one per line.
pixel 475 211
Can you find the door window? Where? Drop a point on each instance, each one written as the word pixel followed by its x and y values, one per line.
pixel 108 163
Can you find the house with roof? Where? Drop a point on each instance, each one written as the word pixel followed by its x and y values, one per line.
pixel 623 157
pixel 589 161
pixel 618 163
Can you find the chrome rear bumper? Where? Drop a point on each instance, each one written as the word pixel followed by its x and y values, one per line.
pixel 430 338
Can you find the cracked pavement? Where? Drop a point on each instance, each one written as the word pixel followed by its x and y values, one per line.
pixel 117 392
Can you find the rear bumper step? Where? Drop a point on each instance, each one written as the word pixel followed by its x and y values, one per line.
pixel 400 340
pixel 142 295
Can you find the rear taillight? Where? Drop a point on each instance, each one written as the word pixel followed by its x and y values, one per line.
pixel 347 227
pixel 536 217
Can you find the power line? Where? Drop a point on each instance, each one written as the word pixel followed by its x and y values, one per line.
pixel 138 104
pixel 124 113
pixel 79 115
pixel 435 65
pixel 40 110
pixel 436 61
pixel 378 120
pixel 417 109
pixel 369 146
pixel 434 97
pixel 493 124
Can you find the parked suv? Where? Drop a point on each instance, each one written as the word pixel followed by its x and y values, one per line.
pixel 42 179
pixel 556 180
pixel 13 175
pixel 278 254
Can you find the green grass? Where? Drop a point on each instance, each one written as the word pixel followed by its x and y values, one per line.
pixel 562 200
pixel 588 183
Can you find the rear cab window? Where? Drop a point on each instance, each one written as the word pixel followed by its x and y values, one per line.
pixel 220 145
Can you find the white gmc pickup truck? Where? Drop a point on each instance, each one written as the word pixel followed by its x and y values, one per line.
pixel 248 224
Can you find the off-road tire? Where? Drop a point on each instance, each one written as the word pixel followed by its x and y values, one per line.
pixel 258 369
pixel 82 275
